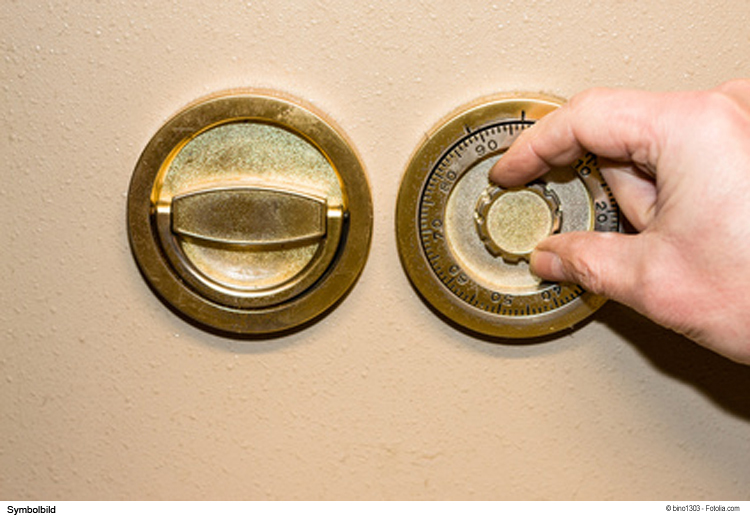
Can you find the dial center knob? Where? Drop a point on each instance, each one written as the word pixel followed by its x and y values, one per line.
pixel 511 222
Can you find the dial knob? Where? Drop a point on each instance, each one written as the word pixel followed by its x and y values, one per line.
pixel 511 222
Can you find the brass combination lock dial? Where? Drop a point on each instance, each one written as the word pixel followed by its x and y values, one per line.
pixel 465 243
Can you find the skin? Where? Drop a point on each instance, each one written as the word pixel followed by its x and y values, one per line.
pixel 678 164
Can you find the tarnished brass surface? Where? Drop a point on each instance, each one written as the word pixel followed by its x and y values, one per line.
pixel 465 244
pixel 250 213
pixel 511 222
pixel 251 217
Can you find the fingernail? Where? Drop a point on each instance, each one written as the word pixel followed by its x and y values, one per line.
pixel 547 265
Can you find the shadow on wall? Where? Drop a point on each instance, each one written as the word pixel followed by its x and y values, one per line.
pixel 723 381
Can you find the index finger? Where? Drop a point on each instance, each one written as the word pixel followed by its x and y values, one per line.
pixel 617 124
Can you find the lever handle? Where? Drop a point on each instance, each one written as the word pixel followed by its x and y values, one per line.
pixel 250 217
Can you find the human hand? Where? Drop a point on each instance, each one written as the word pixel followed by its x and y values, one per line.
pixel 679 166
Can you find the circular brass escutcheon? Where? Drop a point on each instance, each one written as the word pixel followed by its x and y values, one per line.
pixel 250 213
pixel 465 244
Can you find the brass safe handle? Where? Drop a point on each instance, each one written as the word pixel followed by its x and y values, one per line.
pixel 249 212
pixel 250 217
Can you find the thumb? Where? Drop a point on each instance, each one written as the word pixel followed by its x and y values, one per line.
pixel 603 263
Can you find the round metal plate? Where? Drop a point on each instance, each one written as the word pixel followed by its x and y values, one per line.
pixel 465 243
pixel 250 213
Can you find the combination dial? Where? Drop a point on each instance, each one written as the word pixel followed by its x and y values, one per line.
pixel 465 243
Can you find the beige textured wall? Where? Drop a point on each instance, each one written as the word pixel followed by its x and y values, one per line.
pixel 107 394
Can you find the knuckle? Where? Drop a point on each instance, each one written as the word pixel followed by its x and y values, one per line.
pixel 588 96
pixel 586 273
pixel 662 295
pixel 651 283
pixel 734 85
pixel 724 110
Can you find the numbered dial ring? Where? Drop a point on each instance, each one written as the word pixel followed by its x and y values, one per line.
pixel 465 244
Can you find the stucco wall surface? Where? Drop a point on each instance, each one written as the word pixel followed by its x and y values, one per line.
pixel 107 394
